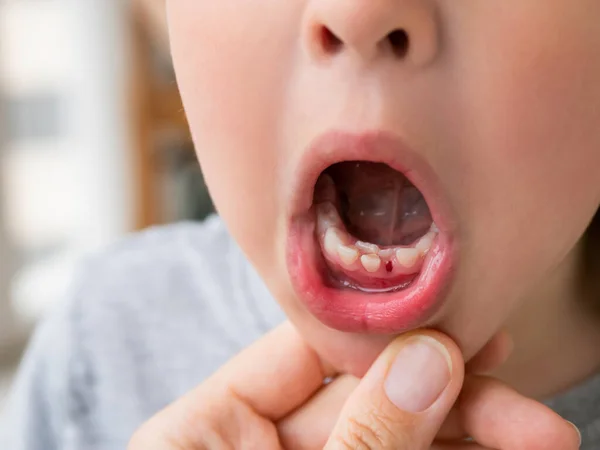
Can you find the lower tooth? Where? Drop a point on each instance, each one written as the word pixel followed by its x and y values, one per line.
pixel 366 247
pixel 425 243
pixel 332 241
pixel 371 263
pixel 386 253
pixel 348 255
pixel 407 257
pixel 327 216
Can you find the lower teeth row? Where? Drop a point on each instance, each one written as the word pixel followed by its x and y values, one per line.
pixel 353 254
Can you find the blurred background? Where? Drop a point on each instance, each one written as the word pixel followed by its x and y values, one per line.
pixel 93 145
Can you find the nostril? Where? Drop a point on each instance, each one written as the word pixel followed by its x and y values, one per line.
pixel 330 43
pixel 399 42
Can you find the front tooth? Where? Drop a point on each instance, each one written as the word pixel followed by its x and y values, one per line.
pixel 348 255
pixel 407 257
pixel 371 262
pixel 425 242
pixel 366 247
pixel 332 241
pixel 386 253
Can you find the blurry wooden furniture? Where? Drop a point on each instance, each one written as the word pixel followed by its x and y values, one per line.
pixel 156 104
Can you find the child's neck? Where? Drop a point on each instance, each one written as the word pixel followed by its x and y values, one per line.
pixel 556 339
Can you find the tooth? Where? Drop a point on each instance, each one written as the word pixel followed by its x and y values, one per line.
pixel 386 253
pixel 407 257
pixel 425 242
pixel 366 247
pixel 434 228
pixel 332 241
pixel 327 216
pixel 371 263
pixel 348 255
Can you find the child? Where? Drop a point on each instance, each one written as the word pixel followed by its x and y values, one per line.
pixel 384 166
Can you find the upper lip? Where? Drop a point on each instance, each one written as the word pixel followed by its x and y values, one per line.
pixel 375 146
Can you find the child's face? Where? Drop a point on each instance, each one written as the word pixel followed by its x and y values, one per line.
pixel 491 109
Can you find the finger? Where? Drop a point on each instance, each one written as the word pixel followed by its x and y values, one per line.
pixel 496 416
pixel 238 404
pixel 273 376
pixel 492 355
pixel 459 446
pixel 452 429
pixel 321 412
pixel 318 415
pixel 403 399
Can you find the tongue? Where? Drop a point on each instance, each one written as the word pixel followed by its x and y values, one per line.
pixel 378 204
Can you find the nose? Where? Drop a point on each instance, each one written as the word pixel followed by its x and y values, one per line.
pixel 402 29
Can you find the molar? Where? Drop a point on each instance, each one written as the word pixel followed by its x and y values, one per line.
pixel 332 241
pixel 425 242
pixel 327 217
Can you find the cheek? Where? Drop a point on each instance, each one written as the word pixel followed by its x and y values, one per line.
pixel 526 181
pixel 231 59
pixel 536 112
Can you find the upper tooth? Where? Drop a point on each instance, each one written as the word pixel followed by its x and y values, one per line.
pixel 425 242
pixel 332 241
pixel 371 263
pixel 348 255
pixel 407 257
pixel 367 247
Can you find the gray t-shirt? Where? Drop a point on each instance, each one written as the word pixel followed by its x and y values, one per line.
pixel 145 322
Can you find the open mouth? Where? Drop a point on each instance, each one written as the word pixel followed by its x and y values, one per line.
pixel 373 225
pixel 369 247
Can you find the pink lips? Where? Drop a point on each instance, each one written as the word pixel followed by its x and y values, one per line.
pixel 351 310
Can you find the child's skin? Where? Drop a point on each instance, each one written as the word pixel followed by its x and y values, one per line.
pixel 500 99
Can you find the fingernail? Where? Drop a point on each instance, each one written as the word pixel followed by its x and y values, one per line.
pixel 578 432
pixel 419 374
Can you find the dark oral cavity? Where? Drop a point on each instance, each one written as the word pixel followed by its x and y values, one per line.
pixel 374 227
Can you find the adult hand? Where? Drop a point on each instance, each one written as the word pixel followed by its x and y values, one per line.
pixel 272 396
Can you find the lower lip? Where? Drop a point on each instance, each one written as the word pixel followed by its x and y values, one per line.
pixel 350 310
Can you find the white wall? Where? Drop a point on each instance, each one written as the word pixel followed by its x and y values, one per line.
pixel 75 189
pixel 100 120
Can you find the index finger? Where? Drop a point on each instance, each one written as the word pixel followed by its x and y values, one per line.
pixel 497 416
pixel 273 376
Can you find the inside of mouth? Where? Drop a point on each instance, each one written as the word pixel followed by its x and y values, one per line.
pixel 373 224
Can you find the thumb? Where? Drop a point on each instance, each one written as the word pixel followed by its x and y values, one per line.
pixel 405 396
